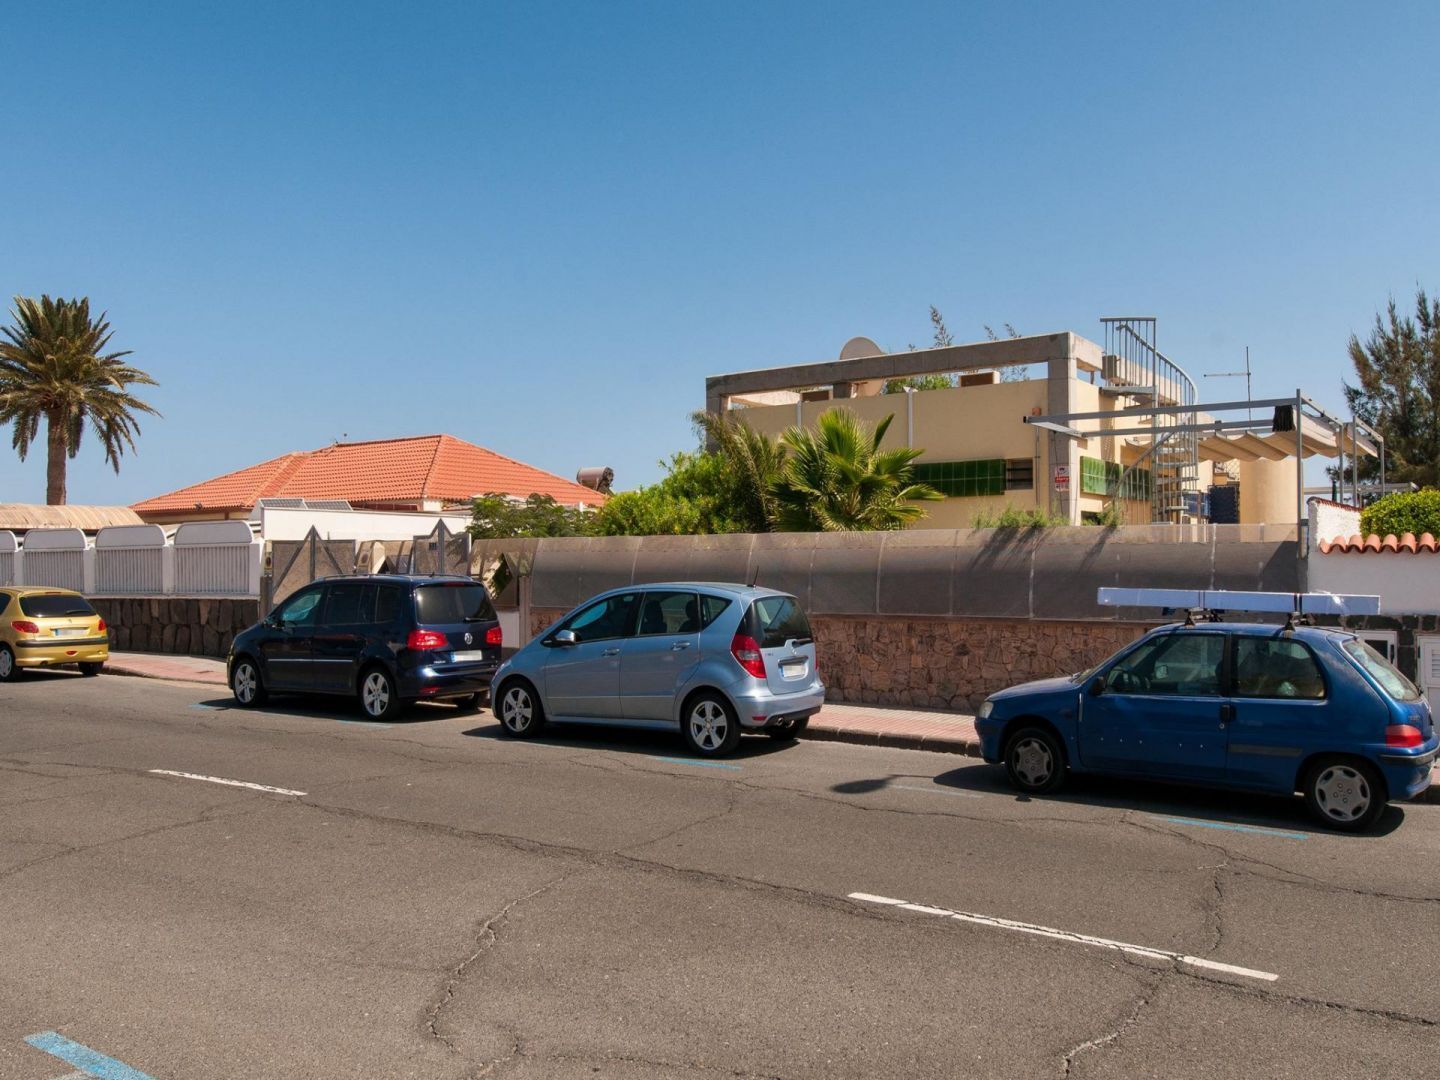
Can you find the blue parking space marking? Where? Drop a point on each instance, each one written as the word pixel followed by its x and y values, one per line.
pixel 89 1062
pixel 698 764
pixel 207 708
pixel 1284 835
pixel 365 723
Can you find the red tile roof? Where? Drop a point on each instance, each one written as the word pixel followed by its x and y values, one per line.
pixel 1373 543
pixel 385 472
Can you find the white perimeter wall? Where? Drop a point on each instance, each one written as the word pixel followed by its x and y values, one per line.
pixel 277 523
pixel 1406 584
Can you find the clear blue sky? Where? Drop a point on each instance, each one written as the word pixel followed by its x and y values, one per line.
pixel 539 226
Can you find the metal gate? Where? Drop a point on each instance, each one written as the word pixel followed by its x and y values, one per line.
pixel 293 564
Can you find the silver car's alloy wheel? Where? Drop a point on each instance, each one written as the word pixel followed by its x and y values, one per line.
pixel 7 664
pixel 1032 761
pixel 1342 793
pixel 246 683
pixel 375 694
pixel 708 725
pixel 516 710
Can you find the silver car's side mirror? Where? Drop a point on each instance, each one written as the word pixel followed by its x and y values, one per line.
pixel 565 637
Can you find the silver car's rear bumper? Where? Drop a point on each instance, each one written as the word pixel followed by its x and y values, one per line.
pixel 760 708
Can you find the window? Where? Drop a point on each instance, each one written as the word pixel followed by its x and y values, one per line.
pixel 774 620
pixel 608 618
pixel 670 613
pixel 711 608
pixel 346 606
pixel 1382 641
pixel 445 605
pixel 963 479
pixel 389 604
pixel 1180 664
pixel 1395 684
pixel 1099 477
pixel 1020 474
pixel 301 609
pixel 54 606
pixel 1276 667
pixel 4 602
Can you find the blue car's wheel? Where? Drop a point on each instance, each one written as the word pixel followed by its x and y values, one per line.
pixel 519 710
pixel 1344 793
pixel 1035 761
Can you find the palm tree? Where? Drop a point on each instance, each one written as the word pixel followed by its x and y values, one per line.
pixel 53 366
pixel 754 461
pixel 837 479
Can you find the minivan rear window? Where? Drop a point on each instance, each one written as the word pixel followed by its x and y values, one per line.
pixel 774 620
pixel 50 606
pixel 1382 671
pixel 441 605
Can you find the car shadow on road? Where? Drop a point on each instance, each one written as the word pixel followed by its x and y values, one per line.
pixel 622 740
pixel 320 708
pixel 1210 806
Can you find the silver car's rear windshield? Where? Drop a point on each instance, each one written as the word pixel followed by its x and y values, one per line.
pixel 1382 671
pixel 774 620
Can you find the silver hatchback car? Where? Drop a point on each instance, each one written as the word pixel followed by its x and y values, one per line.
pixel 712 659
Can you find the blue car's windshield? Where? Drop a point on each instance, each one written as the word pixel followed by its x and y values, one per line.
pixel 1382 671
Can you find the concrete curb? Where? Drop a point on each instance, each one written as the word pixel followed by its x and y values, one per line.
pixel 938 744
pixel 194 678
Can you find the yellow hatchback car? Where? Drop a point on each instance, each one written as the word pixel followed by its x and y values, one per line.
pixel 46 628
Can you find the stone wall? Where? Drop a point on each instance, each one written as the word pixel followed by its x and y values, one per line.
pixel 188 627
pixel 943 663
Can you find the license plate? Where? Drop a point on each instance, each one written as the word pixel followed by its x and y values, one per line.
pixel 469 657
pixel 70 631
pixel 793 670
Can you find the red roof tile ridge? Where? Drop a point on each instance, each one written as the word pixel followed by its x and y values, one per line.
pixel 377 442
pixel 263 478
pixel 440 444
pixel 1407 544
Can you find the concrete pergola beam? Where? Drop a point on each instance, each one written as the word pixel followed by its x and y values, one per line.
pixel 1037 349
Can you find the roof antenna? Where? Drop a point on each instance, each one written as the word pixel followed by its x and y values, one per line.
pixel 755 575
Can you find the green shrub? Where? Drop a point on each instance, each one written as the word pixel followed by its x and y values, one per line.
pixel 1014 518
pixel 1415 512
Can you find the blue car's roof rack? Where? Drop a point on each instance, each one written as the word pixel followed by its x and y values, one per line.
pixel 1212 603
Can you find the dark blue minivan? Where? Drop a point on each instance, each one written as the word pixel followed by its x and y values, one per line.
pixel 1235 705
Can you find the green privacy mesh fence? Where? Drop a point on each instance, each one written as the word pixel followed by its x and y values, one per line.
pixel 1098 477
pixel 964 478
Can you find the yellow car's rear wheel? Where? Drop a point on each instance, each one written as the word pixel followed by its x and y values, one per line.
pixel 9 670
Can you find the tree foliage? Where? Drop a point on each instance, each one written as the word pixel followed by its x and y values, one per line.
pixel 700 494
pixel 1415 512
pixel 836 478
pixel 1398 391
pixel 502 517
pixel 54 367
pixel 940 339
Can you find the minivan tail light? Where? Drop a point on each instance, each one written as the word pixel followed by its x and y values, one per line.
pixel 22 627
pixel 495 636
pixel 1403 736
pixel 746 651
pixel 427 640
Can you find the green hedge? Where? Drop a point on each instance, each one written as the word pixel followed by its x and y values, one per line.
pixel 1415 512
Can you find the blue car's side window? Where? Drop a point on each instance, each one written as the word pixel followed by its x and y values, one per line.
pixel 1181 664
pixel 1276 668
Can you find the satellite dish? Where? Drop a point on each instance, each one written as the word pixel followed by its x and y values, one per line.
pixel 857 347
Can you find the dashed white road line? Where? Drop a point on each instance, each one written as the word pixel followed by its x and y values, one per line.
pixel 1066 935
pixel 226 782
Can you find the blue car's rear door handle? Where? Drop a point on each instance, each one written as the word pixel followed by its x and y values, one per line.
pixel 611 652
pixel 1227 713
pixel 679 645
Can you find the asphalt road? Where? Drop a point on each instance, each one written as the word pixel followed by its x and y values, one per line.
pixel 432 900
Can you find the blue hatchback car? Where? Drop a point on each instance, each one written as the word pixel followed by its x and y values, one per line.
pixel 1234 705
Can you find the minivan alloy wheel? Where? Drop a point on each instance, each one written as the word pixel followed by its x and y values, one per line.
pixel 375 693
pixel 246 683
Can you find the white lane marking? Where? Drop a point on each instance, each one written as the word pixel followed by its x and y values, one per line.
pixel 1066 935
pixel 223 780
pixel 936 791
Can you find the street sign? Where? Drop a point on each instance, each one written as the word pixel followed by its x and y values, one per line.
pixel 1061 477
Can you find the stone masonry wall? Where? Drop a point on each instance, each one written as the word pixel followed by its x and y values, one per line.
pixel 190 627
pixel 943 663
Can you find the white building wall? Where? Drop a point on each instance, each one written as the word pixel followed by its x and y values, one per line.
pixel 1407 584
pixel 281 523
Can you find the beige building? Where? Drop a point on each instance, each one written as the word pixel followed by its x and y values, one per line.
pixel 980 451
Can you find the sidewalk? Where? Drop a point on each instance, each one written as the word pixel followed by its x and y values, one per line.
pixel 868 725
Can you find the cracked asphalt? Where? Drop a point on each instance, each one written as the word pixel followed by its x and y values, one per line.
pixel 443 902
